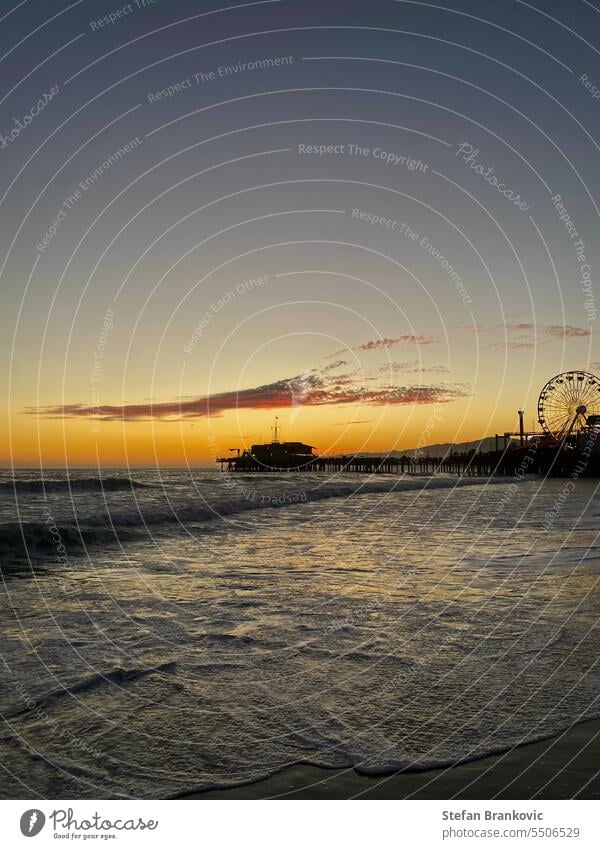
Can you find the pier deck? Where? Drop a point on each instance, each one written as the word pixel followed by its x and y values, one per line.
pixel 553 461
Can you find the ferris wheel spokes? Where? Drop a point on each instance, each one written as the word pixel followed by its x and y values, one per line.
pixel 566 402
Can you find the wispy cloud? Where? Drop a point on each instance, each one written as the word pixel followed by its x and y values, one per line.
pixel 513 345
pixel 317 389
pixel 566 331
pixel 333 366
pixel 411 339
pixel 560 331
pixel 379 344
pixel 525 329
pixel 412 367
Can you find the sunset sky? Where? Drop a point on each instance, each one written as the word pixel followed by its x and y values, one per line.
pixel 369 219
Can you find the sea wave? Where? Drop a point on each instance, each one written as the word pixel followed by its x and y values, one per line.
pixel 117 676
pixel 35 539
pixel 38 486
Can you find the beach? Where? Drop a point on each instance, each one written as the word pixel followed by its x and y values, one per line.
pixel 563 767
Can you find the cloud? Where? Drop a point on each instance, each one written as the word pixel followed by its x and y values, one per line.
pixel 527 328
pixel 566 331
pixel 560 331
pixel 414 367
pixel 318 389
pixel 512 345
pixel 332 366
pixel 521 326
pixel 376 344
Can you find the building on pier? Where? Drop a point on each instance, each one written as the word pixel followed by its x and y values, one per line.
pixel 271 456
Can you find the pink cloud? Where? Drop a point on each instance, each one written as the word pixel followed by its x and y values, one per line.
pixel 526 328
pixel 317 390
pixel 566 331
pixel 389 343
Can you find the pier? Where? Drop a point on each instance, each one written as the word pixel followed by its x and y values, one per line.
pixel 581 460
pixel 568 445
pixel 459 464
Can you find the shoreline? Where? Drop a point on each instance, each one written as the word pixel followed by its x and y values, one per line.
pixel 560 767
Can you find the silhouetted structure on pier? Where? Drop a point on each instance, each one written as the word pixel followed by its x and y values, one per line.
pixel 568 446
pixel 274 456
pixel 536 456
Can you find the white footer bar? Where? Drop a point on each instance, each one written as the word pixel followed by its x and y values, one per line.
pixel 303 824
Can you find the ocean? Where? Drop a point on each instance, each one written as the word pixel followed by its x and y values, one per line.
pixel 163 633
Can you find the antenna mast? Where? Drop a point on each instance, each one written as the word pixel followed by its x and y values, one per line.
pixel 276 431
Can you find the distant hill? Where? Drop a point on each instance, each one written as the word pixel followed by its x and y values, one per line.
pixel 488 443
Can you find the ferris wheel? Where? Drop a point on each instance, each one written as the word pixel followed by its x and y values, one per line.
pixel 567 401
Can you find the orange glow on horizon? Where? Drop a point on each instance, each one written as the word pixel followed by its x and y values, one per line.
pixel 33 441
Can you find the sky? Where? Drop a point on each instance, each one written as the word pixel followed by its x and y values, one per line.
pixel 377 221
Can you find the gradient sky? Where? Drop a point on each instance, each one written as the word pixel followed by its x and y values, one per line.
pixel 215 275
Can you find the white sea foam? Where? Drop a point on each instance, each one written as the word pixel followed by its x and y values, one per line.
pixel 211 640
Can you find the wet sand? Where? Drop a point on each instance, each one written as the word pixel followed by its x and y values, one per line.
pixel 561 767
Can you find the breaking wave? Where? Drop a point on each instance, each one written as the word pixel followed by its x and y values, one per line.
pixel 118 676
pixel 25 540
pixel 35 539
pixel 37 486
